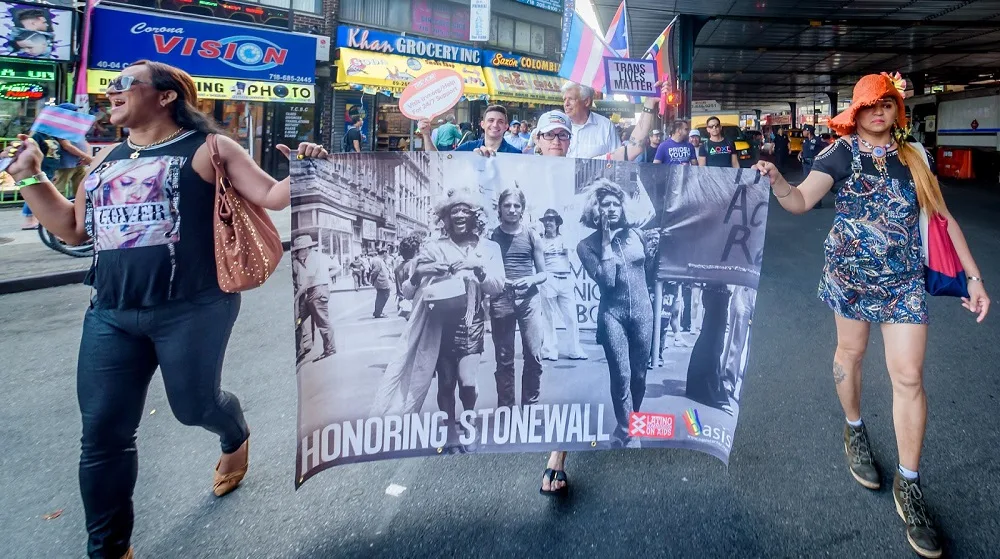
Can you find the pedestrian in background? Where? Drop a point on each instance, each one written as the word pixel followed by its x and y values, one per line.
pixel 382 280
pixel 781 149
pixel 408 248
pixel 449 135
pixel 655 139
pixel 811 146
pixel 156 304
pixel 695 138
pixel 874 274
pixel 357 272
pixel 676 150
pixel 313 274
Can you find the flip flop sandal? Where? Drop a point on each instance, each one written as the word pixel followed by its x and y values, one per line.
pixel 555 475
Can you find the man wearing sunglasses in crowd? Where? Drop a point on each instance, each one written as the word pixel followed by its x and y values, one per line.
pixel 717 151
pixel 494 125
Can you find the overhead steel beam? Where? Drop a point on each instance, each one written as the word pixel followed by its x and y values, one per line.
pixel 827 21
pixel 847 49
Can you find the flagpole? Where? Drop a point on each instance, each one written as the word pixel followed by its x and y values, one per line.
pixel 81 98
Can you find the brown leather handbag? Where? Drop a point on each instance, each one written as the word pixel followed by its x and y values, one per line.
pixel 247 245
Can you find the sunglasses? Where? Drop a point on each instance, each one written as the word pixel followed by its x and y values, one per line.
pixel 121 84
pixel 562 136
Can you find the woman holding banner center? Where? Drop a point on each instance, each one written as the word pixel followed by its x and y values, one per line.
pixel 874 274
pixel 626 338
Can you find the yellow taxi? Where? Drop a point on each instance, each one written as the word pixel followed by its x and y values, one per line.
pixel 795 140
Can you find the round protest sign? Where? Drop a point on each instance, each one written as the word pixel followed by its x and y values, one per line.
pixel 432 94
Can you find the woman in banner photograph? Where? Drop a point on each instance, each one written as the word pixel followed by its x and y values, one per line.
pixel 156 303
pixel 448 281
pixel 874 274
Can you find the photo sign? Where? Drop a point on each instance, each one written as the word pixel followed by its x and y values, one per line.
pixel 457 356
pixel 631 76
pixel 432 94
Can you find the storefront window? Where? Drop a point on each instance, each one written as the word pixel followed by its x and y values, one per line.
pixel 20 101
pixel 313 6
pixel 522 36
pixel 384 14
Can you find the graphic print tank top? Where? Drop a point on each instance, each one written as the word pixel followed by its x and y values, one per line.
pixel 145 253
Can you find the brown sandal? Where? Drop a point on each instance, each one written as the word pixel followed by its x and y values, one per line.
pixel 224 484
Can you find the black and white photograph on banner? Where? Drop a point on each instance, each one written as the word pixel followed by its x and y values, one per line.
pixel 516 304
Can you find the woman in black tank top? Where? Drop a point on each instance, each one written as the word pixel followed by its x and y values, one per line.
pixel 149 205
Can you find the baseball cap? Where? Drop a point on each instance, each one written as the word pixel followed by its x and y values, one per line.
pixel 694 132
pixel 554 120
pixel 657 132
pixel 810 128
pixel 515 122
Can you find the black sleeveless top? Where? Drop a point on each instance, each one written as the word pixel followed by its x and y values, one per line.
pixel 145 253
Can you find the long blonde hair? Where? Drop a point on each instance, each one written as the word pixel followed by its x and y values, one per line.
pixel 928 190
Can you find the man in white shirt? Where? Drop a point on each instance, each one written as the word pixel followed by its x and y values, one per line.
pixel 593 134
pixel 312 273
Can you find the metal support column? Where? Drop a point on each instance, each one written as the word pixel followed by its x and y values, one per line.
pixel 795 114
pixel 688 27
pixel 919 82
pixel 834 101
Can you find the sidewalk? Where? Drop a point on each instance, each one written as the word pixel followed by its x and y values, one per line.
pixel 27 264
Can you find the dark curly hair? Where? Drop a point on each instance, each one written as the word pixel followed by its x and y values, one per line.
pixel 409 246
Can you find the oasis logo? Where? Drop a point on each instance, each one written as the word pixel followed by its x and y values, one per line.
pixel 697 429
pixel 243 52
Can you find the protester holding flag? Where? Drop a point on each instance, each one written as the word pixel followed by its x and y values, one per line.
pixel 874 275
pixel 156 303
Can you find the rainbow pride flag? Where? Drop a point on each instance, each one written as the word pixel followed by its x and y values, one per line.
pixel 692 422
pixel 583 61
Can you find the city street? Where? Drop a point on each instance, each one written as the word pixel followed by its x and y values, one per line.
pixel 786 493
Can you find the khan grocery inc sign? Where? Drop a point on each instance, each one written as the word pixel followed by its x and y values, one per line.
pixel 201 48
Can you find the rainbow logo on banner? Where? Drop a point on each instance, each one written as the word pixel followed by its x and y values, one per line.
pixel 692 422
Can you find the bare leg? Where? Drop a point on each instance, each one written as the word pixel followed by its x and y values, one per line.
pixel 852 341
pixel 905 345
pixel 557 461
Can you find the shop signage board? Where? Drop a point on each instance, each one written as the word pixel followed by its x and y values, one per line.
pixel 511 85
pixel 35 32
pixel 394 73
pixel 708 106
pixel 201 48
pixel 361 38
pixel 226 89
pixel 12 69
pixel 548 5
pixel 432 94
pixel 479 21
pixel 19 91
pixel 631 76
pixel 368 230
pixel 511 61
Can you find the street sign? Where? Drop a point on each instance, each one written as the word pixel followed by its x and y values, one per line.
pixel 705 106
pixel 631 76
pixel 479 21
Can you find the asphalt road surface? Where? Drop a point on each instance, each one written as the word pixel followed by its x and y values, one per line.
pixel 786 493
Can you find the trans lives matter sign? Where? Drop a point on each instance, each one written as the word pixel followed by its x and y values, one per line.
pixel 631 76
pixel 475 357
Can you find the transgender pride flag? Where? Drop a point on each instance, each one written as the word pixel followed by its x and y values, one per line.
pixel 63 124
pixel 583 61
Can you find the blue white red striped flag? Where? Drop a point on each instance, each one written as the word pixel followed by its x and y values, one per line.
pixel 63 124
pixel 583 61
pixel 617 35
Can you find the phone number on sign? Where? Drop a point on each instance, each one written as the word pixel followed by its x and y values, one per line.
pixel 290 79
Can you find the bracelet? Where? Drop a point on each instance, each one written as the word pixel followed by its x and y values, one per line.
pixel 975 278
pixel 34 179
pixel 647 110
pixel 785 195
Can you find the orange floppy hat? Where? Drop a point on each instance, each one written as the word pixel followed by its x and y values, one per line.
pixel 867 92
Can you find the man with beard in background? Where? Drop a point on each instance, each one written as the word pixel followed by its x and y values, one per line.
pixel 520 304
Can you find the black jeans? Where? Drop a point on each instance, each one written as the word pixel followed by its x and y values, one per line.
pixel 119 352
pixel 381 298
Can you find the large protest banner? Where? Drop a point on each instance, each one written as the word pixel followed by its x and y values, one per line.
pixel 466 346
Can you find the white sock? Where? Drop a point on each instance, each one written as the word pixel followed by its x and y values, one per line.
pixel 857 423
pixel 908 474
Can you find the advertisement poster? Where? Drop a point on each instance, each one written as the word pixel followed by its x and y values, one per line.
pixel 483 352
pixel 35 32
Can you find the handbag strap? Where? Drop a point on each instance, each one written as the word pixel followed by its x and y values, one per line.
pixel 221 178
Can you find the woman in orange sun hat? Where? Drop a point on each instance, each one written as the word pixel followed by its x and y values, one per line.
pixel 874 274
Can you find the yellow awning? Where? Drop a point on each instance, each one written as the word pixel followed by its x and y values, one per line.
pixel 376 71
pixel 516 86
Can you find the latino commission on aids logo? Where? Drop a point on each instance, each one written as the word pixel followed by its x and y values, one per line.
pixel 699 430
pixel 651 425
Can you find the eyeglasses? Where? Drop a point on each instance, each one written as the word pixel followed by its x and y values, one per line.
pixel 712 126
pixel 121 84
pixel 562 136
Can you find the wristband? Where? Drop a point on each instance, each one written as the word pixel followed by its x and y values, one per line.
pixel 33 179
pixel 646 109
pixel 974 278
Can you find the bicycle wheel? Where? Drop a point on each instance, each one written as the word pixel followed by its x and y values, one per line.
pixel 55 243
